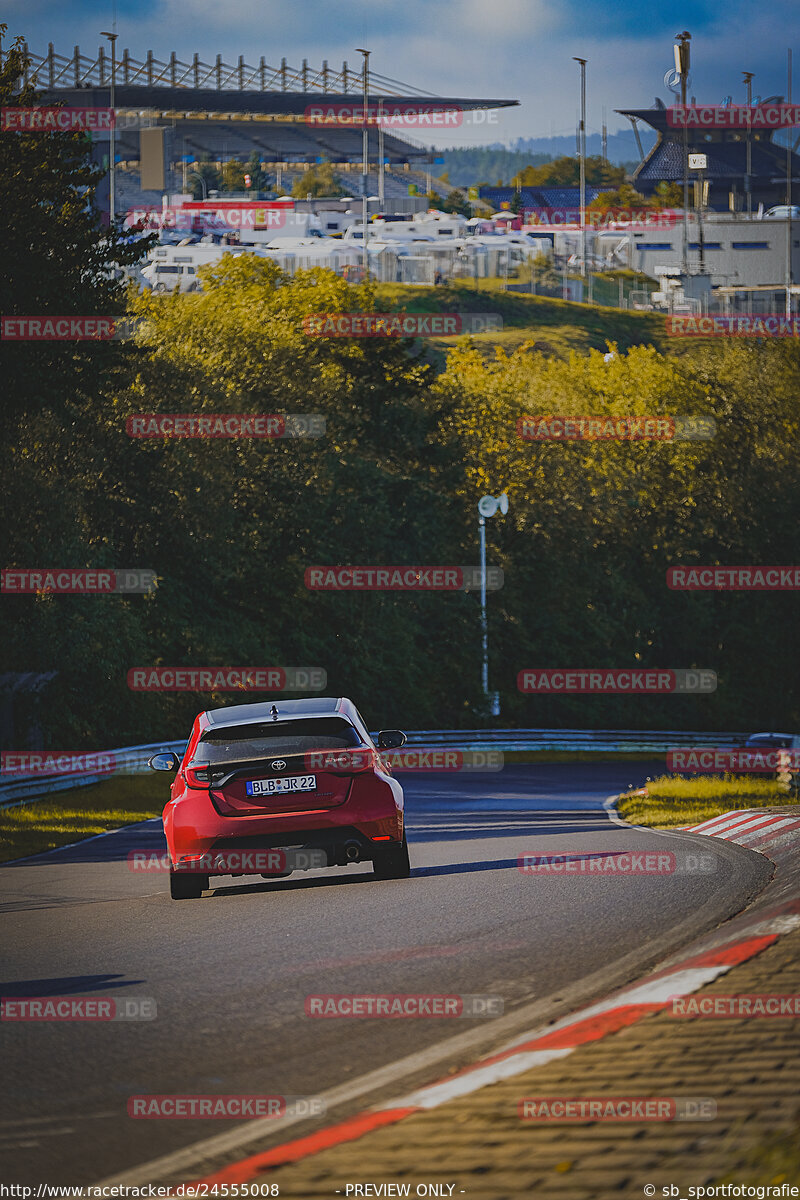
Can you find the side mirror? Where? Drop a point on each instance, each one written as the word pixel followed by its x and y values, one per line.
pixel 391 739
pixel 166 761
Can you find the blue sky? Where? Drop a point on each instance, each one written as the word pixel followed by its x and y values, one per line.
pixel 520 49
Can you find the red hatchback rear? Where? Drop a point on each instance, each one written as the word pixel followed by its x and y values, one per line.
pixel 265 789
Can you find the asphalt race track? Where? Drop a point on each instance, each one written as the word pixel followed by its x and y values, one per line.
pixel 230 972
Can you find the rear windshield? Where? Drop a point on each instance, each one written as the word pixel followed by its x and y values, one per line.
pixel 266 738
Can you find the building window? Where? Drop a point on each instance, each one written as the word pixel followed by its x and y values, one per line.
pixel 705 246
pixel 749 245
pixel 654 246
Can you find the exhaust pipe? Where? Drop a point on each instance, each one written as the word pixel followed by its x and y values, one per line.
pixel 352 852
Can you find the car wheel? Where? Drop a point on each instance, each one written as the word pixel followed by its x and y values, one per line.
pixel 392 863
pixel 186 886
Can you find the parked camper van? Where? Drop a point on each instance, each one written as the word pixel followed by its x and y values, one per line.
pixel 174 268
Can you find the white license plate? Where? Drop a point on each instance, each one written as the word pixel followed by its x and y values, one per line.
pixel 294 783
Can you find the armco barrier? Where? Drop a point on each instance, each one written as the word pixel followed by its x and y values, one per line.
pixel 132 760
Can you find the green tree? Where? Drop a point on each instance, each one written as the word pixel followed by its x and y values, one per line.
pixel 624 196
pixel 58 257
pixel 258 177
pixel 456 202
pixel 204 178
pixel 319 181
pixel 233 175
pixel 565 172
pixel 668 195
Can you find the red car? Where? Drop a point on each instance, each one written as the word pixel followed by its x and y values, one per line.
pixel 265 789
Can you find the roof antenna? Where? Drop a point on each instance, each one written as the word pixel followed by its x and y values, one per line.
pixel 273 712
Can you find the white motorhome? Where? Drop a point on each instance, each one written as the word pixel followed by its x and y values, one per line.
pixel 174 268
pixel 429 227
pixel 296 254
pixel 334 223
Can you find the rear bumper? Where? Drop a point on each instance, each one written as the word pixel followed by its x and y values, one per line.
pixel 374 810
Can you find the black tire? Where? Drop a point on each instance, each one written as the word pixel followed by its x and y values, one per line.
pixel 392 863
pixel 184 885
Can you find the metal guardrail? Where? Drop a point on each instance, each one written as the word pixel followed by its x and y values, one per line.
pixel 132 760
pixel 129 760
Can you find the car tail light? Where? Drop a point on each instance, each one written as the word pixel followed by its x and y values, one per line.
pixel 340 762
pixel 198 777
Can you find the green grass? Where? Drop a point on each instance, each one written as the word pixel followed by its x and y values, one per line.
pixel 676 800
pixel 80 813
pixel 774 1161
pixel 551 326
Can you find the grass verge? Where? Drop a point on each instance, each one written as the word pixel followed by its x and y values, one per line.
pixel 551 326
pixel 677 800
pixel 79 813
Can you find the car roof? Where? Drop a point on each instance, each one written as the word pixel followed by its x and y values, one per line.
pixel 771 735
pixel 280 710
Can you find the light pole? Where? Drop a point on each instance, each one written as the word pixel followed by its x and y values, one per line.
pixel 582 61
pixel 381 166
pixel 487 507
pixel 748 78
pixel 112 192
pixel 365 157
pixel 789 275
pixel 682 57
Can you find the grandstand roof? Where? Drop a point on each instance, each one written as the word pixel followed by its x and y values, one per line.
pixel 182 87
pixel 291 104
